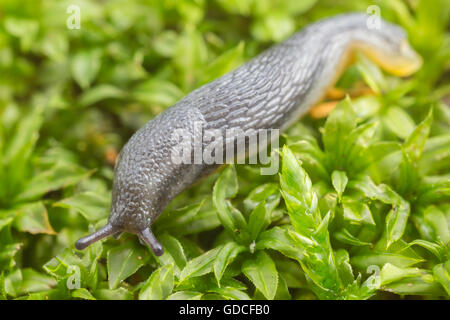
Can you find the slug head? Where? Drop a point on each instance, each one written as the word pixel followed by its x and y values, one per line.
pixel 146 178
pixel 132 211
pixel 134 206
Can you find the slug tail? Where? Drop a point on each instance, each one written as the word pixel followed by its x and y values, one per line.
pixel 104 232
pixel 149 238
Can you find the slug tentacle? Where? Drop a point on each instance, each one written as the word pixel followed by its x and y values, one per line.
pixel 149 238
pixel 104 232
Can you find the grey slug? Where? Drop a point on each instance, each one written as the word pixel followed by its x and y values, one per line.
pixel 271 91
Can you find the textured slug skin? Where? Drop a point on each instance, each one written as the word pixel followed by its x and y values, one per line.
pixel 270 91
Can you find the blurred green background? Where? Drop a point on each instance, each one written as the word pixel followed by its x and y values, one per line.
pixel 70 99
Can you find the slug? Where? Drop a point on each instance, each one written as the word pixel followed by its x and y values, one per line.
pixel 271 91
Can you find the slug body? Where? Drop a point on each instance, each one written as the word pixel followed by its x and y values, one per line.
pixel 270 91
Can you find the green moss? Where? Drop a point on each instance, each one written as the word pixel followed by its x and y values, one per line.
pixel 361 205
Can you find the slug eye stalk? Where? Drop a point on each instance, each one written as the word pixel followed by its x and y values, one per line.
pixel 146 236
pixel 104 232
pixel 149 238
